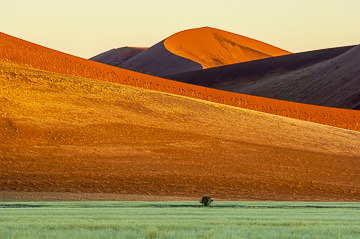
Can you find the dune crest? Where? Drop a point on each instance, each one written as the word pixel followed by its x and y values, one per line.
pixel 213 47
pixel 196 49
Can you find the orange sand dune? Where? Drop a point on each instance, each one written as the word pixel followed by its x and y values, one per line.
pixel 213 47
pixel 76 136
pixel 28 54
pixel 196 49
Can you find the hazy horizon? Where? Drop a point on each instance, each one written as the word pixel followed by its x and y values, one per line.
pixel 87 28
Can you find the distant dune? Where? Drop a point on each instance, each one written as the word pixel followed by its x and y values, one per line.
pixel 115 57
pixel 199 48
pixel 28 54
pixel 213 47
pixel 76 136
pixel 328 77
pixel 158 61
pixel 334 83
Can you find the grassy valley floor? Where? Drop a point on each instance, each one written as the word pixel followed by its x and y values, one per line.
pixel 179 220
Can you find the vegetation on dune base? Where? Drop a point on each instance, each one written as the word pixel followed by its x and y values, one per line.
pixel 206 201
pixel 179 220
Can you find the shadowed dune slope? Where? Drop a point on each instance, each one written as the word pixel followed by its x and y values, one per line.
pixel 158 61
pixel 328 77
pixel 334 83
pixel 199 48
pixel 28 54
pixel 66 134
pixel 247 73
pixel 213 47
pixel 115 57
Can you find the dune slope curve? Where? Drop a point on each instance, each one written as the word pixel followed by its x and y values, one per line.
pixel 115 57
pixel 158 61
pixel 334 83
pixel 199 48
pixel 212 47
pixel 328 77
pixel 62 134
pixel 29 54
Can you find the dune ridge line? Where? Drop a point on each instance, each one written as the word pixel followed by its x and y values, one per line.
pixel 212 47
pixel 15 50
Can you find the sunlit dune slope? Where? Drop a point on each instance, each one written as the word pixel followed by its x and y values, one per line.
pixel 28 54
pixel 328 77
pixel 117 56
pixel 61 133
pixel 199 48
pixel 213 47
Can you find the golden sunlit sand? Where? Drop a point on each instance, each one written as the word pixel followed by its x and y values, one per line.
pixel 70 125
pixel 28 54
pixel 63 134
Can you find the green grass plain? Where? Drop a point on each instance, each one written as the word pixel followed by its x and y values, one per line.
pixel 179 220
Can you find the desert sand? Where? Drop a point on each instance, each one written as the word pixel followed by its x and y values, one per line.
pixel 198 45
pixel 328 77
pixel 193 49
pixel 158 61
pixel 334 83
pixel 116 57
pixel 95 139
pixel 28 54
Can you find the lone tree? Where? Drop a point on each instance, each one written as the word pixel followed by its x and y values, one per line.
pixel 206 201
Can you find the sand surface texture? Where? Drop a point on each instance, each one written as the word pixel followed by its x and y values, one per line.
pixel 62 133
pixel 32 55
pixel 69 130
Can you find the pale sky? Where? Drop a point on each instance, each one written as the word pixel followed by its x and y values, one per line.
pixel 87 27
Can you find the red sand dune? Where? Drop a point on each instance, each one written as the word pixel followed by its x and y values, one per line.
pixel 213 47
pixel 26 53
pixel 199 48
pixel 116 57
pixel 328 77
pixel 71 138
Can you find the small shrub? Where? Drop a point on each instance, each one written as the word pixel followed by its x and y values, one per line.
pixel 206 200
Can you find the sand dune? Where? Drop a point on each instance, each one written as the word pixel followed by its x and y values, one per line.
pixel 117 56
pixel 328 77
pixel 28 54
pixel 213 47
pixel 158 61
pixel 67 134
pixel 334 83
pixel 199 48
